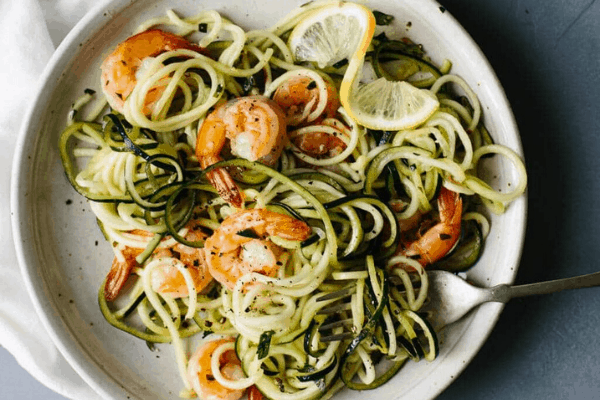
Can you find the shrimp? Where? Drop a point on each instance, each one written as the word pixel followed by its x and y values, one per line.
pixel 120 69
pixel 165 279
pixel 230 255
pixel 254 393
pixel 201 377
pixel 299 96
pixel 317 144
pixel 255 127
pixel 121 269
pixel 438 240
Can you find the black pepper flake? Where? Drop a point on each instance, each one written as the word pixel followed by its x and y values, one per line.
pixel 89 91
pixel 119 95
pixel 445 236
pixel 208 324
pixel 212 253
pixel 96 243
pixel 196 263
pixel 311 85
pixel 415 257
pixel 442 9
pixel 69 202
pixel 279 263
pixel 203 27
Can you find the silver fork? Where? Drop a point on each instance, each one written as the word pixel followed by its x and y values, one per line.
pixel 451 297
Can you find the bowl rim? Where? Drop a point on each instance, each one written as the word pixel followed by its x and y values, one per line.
pixel 75 355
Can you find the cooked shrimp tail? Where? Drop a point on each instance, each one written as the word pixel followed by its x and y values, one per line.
pixel 226 187
pixel 441 238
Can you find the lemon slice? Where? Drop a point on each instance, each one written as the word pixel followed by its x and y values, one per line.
pixel 333 33
pixel 342 31
pixel 387 105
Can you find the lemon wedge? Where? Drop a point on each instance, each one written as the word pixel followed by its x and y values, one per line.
pixel 343 31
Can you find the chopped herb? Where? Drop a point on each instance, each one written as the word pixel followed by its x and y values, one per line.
pixel 249 233
pixel 382 37
pixel 382 18
pixel 248 84
pixel 340 63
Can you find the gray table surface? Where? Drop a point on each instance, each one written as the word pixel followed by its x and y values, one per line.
pixel 547 56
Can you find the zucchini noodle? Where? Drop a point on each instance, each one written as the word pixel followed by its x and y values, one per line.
pixel 341 299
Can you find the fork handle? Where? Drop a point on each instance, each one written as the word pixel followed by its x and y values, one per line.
pixel 504 293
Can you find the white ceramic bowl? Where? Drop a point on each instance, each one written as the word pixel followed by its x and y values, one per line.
pixel 64 257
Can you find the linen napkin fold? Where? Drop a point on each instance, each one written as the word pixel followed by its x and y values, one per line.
pixel 30 30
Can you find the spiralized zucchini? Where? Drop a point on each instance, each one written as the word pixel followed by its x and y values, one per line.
pixel 347 299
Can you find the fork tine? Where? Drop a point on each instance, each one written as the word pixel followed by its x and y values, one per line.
pixel 337 337
pixel 334 309
pixel 335 324
pixel 339 294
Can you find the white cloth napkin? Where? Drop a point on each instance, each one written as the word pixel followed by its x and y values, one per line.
pixel 30 30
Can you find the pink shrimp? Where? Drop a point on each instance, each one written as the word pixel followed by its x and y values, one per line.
pixel 300 92
pixel 166 279
pixel 438 240
pixel 230 255
pixel 299 96
pixel 256 130
pixel 119 69
pixel 200 373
